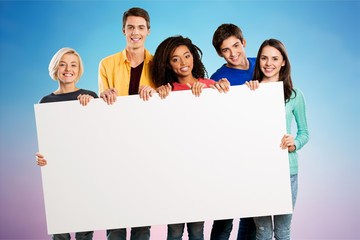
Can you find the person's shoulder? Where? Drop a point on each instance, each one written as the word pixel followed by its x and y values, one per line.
pixel 219 72
pixel 222 68
pixel 46 98
pixel 147 53
pixel 252 59
pixel 297 90
pixel 252 63
pixel 148 56
pixel 207 80
pixel 298 94
pixel 85 91
pixel 112 57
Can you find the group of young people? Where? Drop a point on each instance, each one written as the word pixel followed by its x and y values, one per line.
pixel 176 65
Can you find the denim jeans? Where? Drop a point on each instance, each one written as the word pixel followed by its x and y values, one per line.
pixel 221 229
pixel 78 236
pixel 247 229
pixel 195 231
pixel 137 233
pixel 282 223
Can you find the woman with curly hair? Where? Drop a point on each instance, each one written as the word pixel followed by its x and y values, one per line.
pixel 177 66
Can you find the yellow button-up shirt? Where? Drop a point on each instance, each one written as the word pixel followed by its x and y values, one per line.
pixel 114 72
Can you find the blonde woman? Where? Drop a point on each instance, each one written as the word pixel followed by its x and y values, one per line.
pixel 66 67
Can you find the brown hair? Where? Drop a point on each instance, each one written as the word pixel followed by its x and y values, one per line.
pixel 223 32
pixel 137 12
pixel 285 71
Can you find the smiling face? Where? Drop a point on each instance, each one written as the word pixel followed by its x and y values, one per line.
pixel 182 61
pixel 136 31
pixel 68 69
pixel 271 62
pixel 232 50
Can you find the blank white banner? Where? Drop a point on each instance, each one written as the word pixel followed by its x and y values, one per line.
pixel 182 159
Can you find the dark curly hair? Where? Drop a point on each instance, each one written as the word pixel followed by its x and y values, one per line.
pixel 162 72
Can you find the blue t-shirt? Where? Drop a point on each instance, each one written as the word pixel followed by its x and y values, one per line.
pixel 234 75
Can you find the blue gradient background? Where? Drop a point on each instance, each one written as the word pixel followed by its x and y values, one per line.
pixel 322 38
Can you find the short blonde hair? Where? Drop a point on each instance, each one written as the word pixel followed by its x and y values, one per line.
pixel 54 63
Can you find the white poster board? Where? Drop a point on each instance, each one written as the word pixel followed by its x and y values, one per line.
pixel 181 159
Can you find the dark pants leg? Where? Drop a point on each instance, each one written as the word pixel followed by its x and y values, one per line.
pixel 116 234
pixel 221 229
pixel 247 229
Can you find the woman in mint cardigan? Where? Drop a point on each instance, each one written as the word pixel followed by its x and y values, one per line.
pixel 272 65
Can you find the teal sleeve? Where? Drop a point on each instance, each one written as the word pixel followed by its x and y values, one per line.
pixel 299 111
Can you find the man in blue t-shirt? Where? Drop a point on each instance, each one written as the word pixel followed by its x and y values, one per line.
pixel 230 43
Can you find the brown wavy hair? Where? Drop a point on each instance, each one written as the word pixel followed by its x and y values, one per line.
pixel 285 71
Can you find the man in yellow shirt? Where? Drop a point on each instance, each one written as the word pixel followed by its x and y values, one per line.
pixel 122 74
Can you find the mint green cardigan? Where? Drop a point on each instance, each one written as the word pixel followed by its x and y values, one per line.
pixel 295 109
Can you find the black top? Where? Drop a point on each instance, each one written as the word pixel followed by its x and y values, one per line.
pixel 66 96
pixel 135 76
